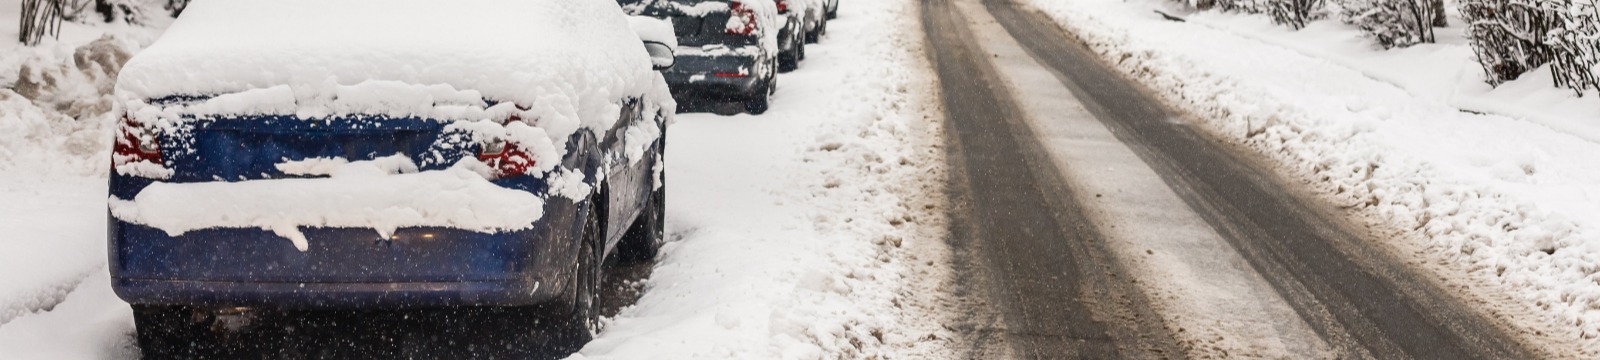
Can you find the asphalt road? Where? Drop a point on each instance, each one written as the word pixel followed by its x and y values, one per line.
pixel 1033 259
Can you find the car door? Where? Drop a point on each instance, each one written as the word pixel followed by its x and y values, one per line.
pixel 628 179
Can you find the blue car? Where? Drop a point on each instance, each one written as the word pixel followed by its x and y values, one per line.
pixel 335 156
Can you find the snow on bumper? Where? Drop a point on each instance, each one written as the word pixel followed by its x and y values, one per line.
pixel 453 198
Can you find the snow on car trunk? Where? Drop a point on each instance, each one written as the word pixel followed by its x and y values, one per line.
pixel 218 94
pixel 563 66
pixel 365 194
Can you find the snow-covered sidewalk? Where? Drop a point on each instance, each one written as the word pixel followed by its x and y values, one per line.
pixel 813 231
pixel 1508 205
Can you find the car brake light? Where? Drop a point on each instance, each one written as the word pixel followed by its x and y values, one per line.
pixel 741 19
pixel 723 74
pixel 783 6
pixel 135 144
pixel 505 158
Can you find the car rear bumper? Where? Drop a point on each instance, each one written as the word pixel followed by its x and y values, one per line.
pixel 335 295
pixel 346 267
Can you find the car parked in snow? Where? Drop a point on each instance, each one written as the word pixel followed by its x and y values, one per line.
pixel 399 154
pixel 728 50
pixel 814 17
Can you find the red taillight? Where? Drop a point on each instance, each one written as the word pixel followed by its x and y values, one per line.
pixel 741 19
pixel 722 74
pixel 135 144
pixel 783 6
pixel 506 158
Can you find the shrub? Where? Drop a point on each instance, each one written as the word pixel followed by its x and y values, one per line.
pixel 1395 23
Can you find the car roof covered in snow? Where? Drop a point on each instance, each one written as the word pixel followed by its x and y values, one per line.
pixel 566 55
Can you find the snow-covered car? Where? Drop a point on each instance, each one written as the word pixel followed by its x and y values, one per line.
pixel 302 154
pixel 814 17
pixel 728 50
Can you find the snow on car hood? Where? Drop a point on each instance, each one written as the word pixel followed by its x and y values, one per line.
pixel 383 194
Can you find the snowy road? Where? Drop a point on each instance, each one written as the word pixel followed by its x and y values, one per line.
pixel 1144 238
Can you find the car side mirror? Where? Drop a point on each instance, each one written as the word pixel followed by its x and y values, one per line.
pixel 661 55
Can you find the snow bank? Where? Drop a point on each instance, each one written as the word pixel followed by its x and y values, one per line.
pixel 54 237
pixel 363 194
pixel 1446 71
pixel 1509 204
pixel 807 232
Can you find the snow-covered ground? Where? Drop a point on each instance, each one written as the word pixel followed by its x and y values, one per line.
pixel 1503 197
pixel 813 231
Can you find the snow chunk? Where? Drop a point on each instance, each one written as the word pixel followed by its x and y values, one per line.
pixel 383 194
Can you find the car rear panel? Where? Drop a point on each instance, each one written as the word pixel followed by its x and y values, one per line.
pixel 700 36
pixel 153 266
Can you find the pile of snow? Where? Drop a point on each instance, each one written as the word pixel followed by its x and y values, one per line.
pixel 808 232
pixel 1446 72
pixel 569 59
pixel 564 65
pixel 560 66
pixel 1508 202
pixel 384 194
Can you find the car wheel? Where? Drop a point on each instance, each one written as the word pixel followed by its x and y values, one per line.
pixel 790 60
pixel 757 106
pixel 583 316
pixel 166 332
pixel 644 238
pixel 815 35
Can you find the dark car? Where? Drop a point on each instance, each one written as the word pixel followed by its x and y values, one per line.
pixel 379 173
pixel 814 17
pixel 728 50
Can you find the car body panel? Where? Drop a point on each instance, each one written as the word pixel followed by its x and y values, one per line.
pixel 355 267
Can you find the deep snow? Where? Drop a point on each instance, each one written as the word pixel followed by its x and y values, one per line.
pixel 814 231
pixel 1505 205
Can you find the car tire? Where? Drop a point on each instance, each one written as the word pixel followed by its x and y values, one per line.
pixel 582 318
pixel 758 105
pixel 643 240
pixel 815 35
pixel 166 332
pixel 790 60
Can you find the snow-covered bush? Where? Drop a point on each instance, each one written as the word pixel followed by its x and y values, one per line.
pixel 1394 23
pixel 1244 6
pixel 39 18
pixel 1575 42
pixel 137 12
pixel 1295 13
pixel 1508 35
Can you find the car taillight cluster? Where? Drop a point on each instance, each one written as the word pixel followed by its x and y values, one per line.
pixel 783 6
pixel 506 158
pixel 741 19
pixel 135 143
